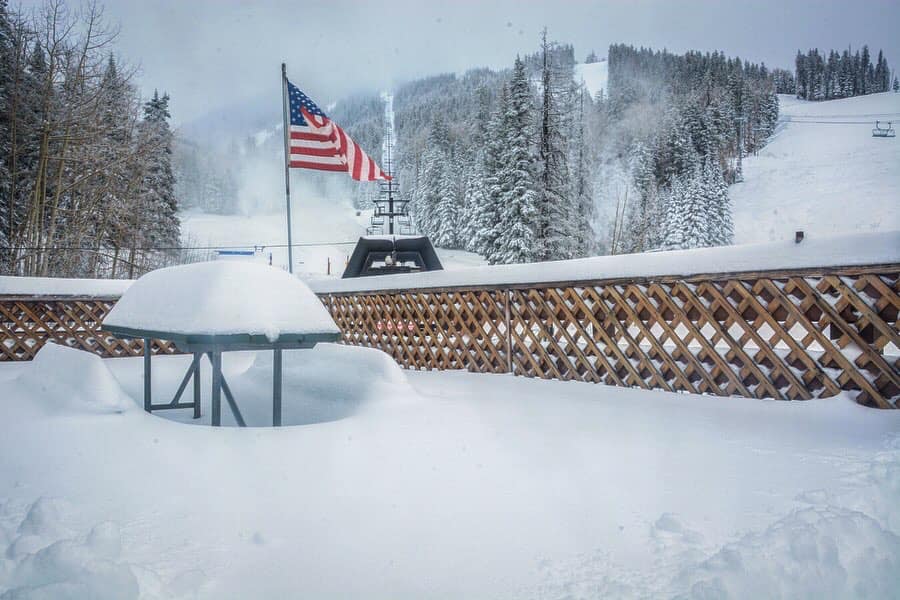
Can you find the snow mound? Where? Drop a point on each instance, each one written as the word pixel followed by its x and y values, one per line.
pixel 221 298
pixel 340 366
pixel 839 543
pixel 326 383
pixel 61 565
pixel 73 381
pixel 826 552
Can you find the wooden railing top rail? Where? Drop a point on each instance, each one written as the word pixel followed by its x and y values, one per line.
pixel 871 251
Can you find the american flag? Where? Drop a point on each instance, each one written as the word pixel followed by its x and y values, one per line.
pixel 317 142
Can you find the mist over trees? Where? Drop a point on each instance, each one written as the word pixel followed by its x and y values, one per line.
pixel 85 167
pixel 204 178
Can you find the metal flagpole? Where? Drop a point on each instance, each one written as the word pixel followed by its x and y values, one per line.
pixel 287 161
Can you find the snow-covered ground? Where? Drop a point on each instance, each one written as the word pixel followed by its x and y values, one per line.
pixel 594 76
pixel 822 173
pixel 435 485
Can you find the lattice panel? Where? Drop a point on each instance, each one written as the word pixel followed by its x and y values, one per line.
pixel 786 337
pixel 443 330
pixel 769 335
pixel 26 325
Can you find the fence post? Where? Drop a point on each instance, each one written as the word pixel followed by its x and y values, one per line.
pixel 509 347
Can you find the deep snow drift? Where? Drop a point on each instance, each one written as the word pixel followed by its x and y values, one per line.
pixel 447 485
pixel 822 172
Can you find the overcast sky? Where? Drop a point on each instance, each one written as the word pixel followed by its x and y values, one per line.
pixel 213 53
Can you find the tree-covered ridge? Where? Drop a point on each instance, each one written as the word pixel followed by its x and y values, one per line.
pixel 841 75
pixel 672 128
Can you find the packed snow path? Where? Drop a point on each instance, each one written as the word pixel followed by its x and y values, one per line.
pixel 822 172
pixel 449 485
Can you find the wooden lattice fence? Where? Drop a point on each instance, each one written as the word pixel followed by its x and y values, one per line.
pixel 789 335
pixel 28 322
pixel 796 335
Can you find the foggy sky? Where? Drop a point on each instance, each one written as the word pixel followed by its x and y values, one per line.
pixel 210 54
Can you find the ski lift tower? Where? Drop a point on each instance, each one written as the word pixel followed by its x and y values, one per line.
pixel 391 214
pixel 390 245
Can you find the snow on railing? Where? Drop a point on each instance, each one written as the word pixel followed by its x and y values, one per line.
pixel 838 251
pixel 59 287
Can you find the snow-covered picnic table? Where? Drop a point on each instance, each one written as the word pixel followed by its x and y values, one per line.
pixel 214 307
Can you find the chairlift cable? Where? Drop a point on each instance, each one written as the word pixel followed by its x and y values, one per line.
pixel 160 248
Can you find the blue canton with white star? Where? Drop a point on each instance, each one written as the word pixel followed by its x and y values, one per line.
pixel 298 99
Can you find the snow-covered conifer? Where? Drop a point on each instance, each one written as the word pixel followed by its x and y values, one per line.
pixel 516 240
pixel 554 225
pixel 157 202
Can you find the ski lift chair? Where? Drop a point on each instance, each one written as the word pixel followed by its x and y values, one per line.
pixel 885 132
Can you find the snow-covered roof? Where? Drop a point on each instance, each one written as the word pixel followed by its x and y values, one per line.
pixel 848 250
pixel 221 298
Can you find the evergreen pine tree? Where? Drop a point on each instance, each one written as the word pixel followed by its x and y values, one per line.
pixel 485 216
pixel 478 213
pixel 430 193
pixel 696 211
pixel 802 76
pixel 673 200
pixel 639 221
pixel 879 84
pixel 447 209
pixel 582 190
pixel 553 229
pixel 158 206
pixel 720 225
pixel 863 74
pixel 516 240
pixel 7 62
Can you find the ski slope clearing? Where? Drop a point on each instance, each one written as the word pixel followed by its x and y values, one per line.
pixel 822 172
pixel 316 220
pixel 392 484
pixel 332 226
pixel 594 76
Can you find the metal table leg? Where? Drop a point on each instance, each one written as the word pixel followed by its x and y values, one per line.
pixel 197 358
pixel 217 388
pixel 148 350
pixel 276 388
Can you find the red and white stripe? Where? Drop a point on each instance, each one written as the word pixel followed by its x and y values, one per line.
pixel 323 145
